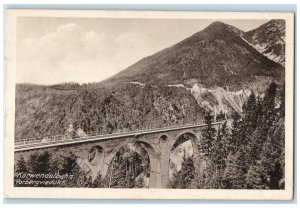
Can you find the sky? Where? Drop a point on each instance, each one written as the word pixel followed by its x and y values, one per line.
pixel 85 50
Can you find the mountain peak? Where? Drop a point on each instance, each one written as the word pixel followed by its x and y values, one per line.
pixel 216 26
pixel 218 23
pixel 220 30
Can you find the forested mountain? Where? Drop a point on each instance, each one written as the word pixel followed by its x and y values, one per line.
pixel 44 111
pixel 215 56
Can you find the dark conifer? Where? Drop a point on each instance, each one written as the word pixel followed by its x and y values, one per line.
pixel 69 163
pixel 282 102
pixel 21 165
pixel 268 109
pixel 184 177
pixel 208 136
pixel 33 162
pixel 219 156
pixel 250 112
pixel 234 174
pixel 234 140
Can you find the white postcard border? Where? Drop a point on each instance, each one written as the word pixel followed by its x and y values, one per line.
pixel 97 193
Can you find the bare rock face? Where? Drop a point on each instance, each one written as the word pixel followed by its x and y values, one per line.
pixel 269 39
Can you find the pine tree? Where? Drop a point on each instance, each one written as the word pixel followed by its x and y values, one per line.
pixel 225 134
pixel 33 162
pixel 282 102
pixel 234 140
pixel 254 142
pixel 44 162
pixel 234 173
pixel 69 164
pixel 255 176
pixel 250 112
pixel 21 165
pixel 184 177
pixel 267 117
pixel 218 158
pixel 40 163
pixel 208 136
pixel 269 103
pixel 248 126
pixel 240 138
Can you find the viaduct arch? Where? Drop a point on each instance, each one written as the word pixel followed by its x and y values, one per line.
pixel 95 154
pixel 158 152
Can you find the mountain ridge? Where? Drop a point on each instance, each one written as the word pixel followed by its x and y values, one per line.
pixel 269 39
pixel 218 52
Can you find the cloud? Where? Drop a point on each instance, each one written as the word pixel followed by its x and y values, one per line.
pixel 71 54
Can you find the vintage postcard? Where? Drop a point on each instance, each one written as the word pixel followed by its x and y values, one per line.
pixel 148 105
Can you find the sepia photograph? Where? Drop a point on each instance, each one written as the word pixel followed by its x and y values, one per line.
pixel 123 104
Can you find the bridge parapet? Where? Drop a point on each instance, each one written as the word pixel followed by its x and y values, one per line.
pixel 35 143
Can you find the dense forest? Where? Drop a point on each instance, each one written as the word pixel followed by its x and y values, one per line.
pixel 43 111
pixel 247 153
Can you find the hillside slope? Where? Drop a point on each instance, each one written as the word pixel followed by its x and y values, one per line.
pixel 44 111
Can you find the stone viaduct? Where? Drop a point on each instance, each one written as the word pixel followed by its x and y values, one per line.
pixel 95 153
